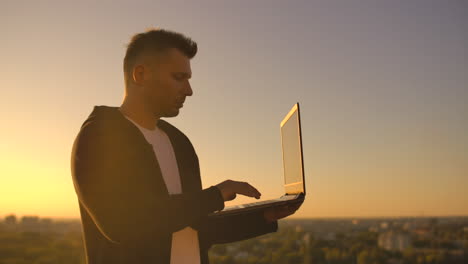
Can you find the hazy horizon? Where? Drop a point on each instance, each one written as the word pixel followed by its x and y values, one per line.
pixel 383 88
pixel 288 218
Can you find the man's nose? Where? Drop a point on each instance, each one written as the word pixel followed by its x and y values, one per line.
pixel 188 89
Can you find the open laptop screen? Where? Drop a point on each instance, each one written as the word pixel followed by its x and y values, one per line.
pixel 292 152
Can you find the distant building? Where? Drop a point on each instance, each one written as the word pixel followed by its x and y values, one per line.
pixel 10 220
pixel 299 228
pixel 11 223
pixel 384 225
pixel 394 241
pixel 30 223
pixel 422 233
pixel 407 226
pixel 330 236
pixel 46 225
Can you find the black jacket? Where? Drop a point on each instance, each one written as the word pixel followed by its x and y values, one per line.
pixel 127 213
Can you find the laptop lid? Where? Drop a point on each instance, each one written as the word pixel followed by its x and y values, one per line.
pixel 291 144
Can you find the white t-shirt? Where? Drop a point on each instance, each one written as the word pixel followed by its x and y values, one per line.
pixel 185 246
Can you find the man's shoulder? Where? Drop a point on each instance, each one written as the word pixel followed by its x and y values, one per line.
pixel 102 115
pixel 104 122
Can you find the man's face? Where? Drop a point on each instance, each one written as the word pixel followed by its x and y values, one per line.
pixel 166 83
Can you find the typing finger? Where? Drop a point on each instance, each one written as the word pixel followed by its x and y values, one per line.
pixel 248 190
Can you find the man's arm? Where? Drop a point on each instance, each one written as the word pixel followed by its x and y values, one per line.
pixel 124 205
pixel 232 228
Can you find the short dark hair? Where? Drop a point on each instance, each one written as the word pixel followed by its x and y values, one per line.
pixel 156 40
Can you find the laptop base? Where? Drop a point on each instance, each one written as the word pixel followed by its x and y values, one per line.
pixel 242 208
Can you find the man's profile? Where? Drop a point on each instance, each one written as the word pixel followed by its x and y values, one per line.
pixel 137 177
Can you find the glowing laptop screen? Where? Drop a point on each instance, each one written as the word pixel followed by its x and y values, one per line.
pixel 292 152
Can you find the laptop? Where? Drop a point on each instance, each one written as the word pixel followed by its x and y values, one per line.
pixel 293 168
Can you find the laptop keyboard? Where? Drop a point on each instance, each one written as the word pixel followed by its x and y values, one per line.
pixel 284 198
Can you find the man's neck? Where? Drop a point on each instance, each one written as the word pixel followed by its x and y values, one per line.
pixel 137 112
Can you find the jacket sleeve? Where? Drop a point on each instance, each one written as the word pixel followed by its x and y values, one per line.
pixel 232 228
pixel 127 208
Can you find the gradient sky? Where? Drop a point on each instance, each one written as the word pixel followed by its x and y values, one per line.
pixel 383 89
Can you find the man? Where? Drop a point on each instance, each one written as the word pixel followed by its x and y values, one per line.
pixel 137 177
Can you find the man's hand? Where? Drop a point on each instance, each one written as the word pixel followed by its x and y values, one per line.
pixel 229 189
pixel 275 213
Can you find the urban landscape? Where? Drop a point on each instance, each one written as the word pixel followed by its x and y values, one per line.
pixel 35 240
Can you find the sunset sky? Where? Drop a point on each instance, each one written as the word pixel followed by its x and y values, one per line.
pixel 383 88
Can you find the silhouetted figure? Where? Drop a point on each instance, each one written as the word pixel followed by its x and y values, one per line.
pixel 137 177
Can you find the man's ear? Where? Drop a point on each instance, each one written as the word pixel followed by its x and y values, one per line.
pixel 138 74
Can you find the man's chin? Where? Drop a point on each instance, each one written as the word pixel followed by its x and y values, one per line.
pixel 172 113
